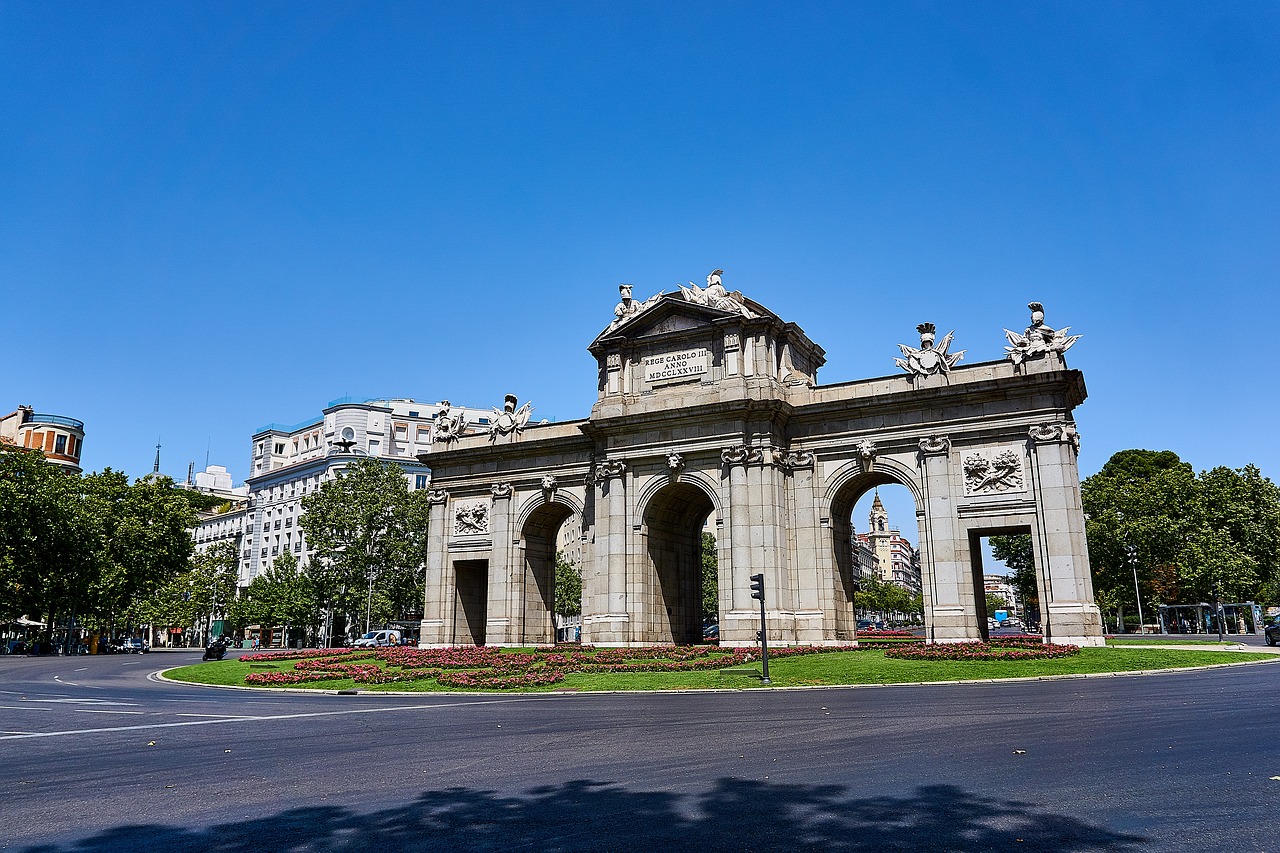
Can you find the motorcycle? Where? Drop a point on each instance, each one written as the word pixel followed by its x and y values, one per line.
pixel 215 650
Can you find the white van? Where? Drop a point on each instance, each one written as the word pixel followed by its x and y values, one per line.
pixel 379 638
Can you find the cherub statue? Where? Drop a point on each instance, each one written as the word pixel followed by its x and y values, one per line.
pixel 1038 338
pixel 929 359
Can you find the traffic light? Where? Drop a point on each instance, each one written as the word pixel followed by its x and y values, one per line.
pixel 757 587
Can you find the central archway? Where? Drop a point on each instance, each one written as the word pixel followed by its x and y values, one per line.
pixel 673 522
pixel 859 561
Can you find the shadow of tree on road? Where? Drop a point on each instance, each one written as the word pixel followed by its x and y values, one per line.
pixel 735 815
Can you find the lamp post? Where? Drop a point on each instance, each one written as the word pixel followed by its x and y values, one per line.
pixel 1133 564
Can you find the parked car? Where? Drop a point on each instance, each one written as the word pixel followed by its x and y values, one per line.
pixel 379 638
pixel 131 646
pixel 1273 632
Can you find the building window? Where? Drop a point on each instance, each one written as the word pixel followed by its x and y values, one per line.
pixel 264 552
pixel 279 447
pixel 275 550
pixel 288 522
pixel 420 482
pixel 413 414
pixel 297 546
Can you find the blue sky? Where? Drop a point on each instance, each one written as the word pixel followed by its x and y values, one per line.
pixel 214 216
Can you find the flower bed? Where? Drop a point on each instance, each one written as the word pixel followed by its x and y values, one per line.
pixel 982 651
pixel 487 668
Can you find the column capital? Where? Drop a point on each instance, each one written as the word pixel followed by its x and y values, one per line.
pixel 935 445
pixel 792 460
pixel 608 469
pixel 500 490
pixel 435 497
pixel 1055 433
pixel 741 454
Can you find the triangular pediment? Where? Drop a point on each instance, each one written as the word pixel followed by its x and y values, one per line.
pixel 669 314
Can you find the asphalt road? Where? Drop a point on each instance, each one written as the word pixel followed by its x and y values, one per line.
pixel 98 757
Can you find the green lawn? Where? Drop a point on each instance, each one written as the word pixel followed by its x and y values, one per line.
pixel 861 667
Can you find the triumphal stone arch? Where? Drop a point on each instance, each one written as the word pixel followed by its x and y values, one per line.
pixel 709 407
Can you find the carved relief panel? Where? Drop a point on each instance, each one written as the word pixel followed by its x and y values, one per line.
pixel 994 471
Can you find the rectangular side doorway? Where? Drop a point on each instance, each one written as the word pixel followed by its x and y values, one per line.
pixel 1003 603
pixel 471 601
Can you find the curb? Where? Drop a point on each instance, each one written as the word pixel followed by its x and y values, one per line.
pixel 159 675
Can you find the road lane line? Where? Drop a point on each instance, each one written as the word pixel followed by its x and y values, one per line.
pixel 78 701
pixel 104 711
pixel 267 718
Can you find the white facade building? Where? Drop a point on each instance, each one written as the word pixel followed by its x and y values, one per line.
pixel 290 462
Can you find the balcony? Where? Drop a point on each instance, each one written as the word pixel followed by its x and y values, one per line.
pixel 55 420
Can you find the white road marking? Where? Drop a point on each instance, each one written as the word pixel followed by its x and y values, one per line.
pixel 257 719
pixel 104 711
pixel 22 708
pixel 83 701
pixel 82 669
pixel 218 716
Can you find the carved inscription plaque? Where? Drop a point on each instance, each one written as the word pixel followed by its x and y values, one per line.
pixel 676 366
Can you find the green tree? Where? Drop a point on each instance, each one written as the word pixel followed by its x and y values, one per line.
pixel 1017 554
pixel 710 578
pixel 366 526
pixel 1190 538
pixel 145 538
pixel 48 539
pixel 282 596
pixel 568 592
pixel 196 597
pixel 994 603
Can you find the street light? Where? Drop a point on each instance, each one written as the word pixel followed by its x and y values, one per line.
pixel 1133 563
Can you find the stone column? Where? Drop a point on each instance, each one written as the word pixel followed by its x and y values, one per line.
pixel 498 617
pixel 950 612
pixel 1067 610
pixel 609 626
pixel 739 625
pixel 801 561
pixel 437 605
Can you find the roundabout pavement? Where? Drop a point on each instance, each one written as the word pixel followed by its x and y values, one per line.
pixel 99 757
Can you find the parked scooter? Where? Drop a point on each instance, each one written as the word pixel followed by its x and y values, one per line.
pixel 216 649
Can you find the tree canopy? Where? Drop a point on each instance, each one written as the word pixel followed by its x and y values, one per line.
pixel 89 547
pixel 1192 537
pixel 366 523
